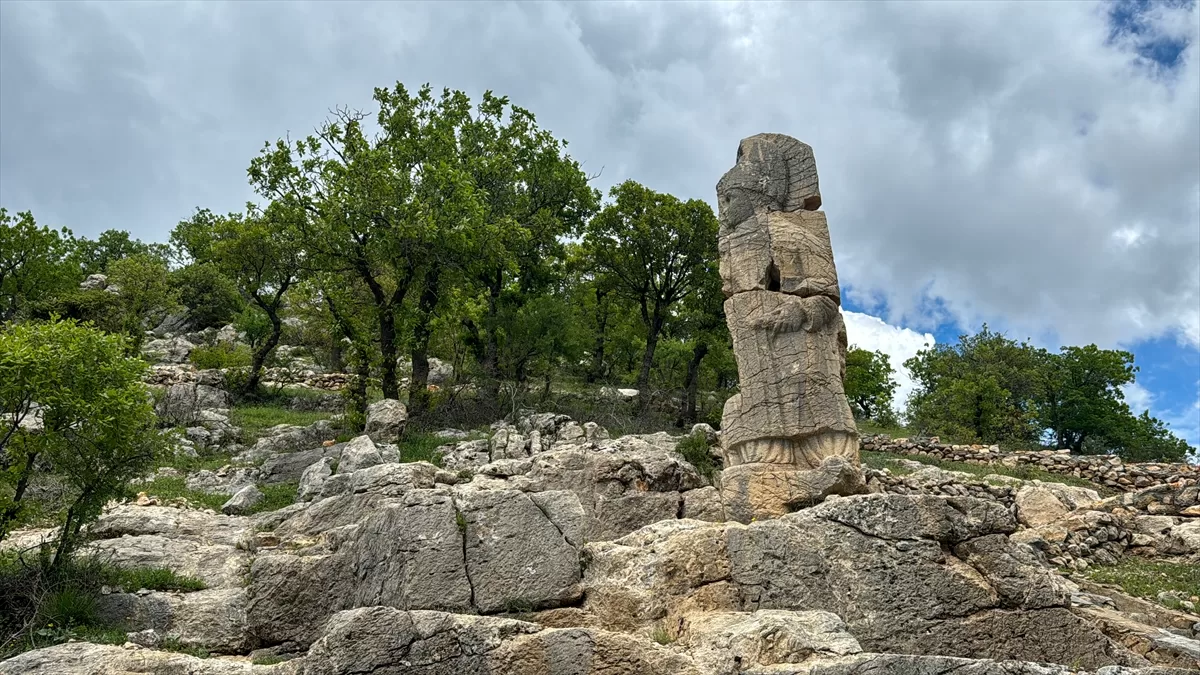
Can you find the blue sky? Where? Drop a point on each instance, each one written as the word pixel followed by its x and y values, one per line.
pixel 1032 165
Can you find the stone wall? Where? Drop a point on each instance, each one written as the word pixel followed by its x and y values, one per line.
pixel 1103 470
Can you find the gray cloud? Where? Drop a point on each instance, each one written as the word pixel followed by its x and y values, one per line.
pixel 1008 160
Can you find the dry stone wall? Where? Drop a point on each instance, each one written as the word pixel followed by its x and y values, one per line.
pixel 1103 470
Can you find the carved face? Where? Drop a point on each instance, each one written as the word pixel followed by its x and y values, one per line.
pixel 757 180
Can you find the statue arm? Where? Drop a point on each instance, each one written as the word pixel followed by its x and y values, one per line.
pixel 809 314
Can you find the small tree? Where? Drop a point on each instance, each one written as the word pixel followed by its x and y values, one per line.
pixel 94 257
pixel 261 253
pixel 211 298
pixel 656 250
pixel 869 384
pixel 143 290
pixel 33 264
pixel 72 409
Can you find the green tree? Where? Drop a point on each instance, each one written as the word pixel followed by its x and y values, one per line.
pixel 75 411
pixel 532 195
pixel 384 209
pixel 143 293
pixel 260 251
pixel 656 250
pixel 1080 394
pixel 211 298
pixel 982 388
pixel 701 325
pixel 33 263
pixel 869 385
pixel 94 257
pixel 1143 438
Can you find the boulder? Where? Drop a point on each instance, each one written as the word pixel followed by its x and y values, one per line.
pixel 183 403
pixel 359 453
pixel 385 420
pixel 168 350
pixel 244 500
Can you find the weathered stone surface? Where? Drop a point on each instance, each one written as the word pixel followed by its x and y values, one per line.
pixel 182 404
pixel 386 420
pixel 768 490
pixel 516 555
pixel 313 479
pixel 85 658
pixel 244 500
pixel 359 453
pixel 287 450
pixel 1038 505
pixel 731 642
pixel 390 641
pixel 171 350
pixel 783 310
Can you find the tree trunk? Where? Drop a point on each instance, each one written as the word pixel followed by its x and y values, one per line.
pixel 264 350
pixel 387 348
pixel 596 371
pixel 691 387
pixel 643 381
pixel 418 387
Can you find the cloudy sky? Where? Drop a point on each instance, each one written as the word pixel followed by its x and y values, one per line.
pixel 1033 166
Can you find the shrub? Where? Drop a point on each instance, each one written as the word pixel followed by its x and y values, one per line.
pixel 211 298
pixel 695 450
pixel 98 427
pixel 222 355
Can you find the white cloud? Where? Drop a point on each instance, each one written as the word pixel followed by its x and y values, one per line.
pixel 965 179
pixel 1183 419
pixel 1138 397
pixel 900 344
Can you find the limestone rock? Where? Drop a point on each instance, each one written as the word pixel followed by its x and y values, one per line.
pixel 313 479
pixel 182 404
pixel 385 420
pixel 730 642
pixel 359 453
pixel 245 499
pixel 85 658
pixel 767 490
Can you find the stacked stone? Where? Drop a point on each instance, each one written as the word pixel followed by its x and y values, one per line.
pixel 1101 469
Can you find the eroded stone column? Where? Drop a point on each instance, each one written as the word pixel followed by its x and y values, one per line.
pixel 788 436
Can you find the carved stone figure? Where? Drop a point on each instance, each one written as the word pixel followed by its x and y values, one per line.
pixel 783 309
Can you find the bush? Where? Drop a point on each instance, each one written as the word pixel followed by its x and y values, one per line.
pixel 211 298
pixel 97 428
pixel 222 355
pixel 695 450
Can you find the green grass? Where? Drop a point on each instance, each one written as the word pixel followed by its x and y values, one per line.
pixel 153 579
pixel 175 487
pixel 172 644
pixel 418 446
pixel 1147 578
pixel 254 420
pixel 267 660
pixel 880 460
pixel 276 497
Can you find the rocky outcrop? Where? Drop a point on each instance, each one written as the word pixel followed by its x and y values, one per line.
pixel 183 404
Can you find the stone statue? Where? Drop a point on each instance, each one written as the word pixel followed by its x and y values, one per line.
pixel 783 309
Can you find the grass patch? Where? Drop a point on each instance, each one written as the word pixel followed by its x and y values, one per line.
pixel 169 488
pixel 44 605
pixel 1147 578
pixel 172 644
pixel 661 635
pixel 254 420
pixel 153 579
pixel 419 446
pixel 267 660
pixel 883 460
pixel 695 450
pixel 275 497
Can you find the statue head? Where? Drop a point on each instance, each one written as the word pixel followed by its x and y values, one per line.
pixel 773 171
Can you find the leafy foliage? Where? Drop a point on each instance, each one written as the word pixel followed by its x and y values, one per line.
pixel 97 423
pixel 869 385
pixel 33 263
pixel 211 298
